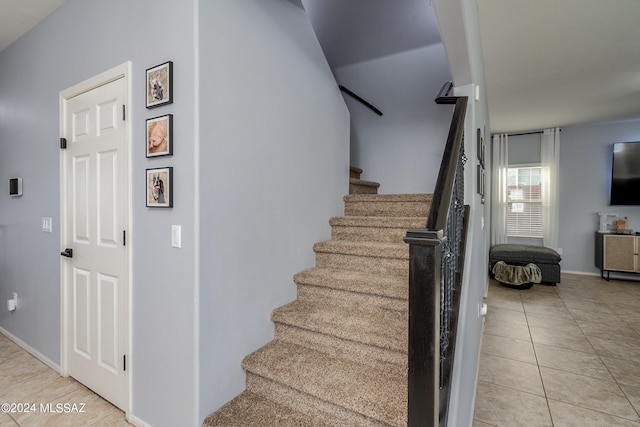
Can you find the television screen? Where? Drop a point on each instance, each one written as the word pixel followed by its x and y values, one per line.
pixel 625 176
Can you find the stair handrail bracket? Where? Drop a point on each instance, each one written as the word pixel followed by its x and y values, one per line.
pixel 436 260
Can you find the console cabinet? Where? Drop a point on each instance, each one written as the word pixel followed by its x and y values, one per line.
pixel 617 252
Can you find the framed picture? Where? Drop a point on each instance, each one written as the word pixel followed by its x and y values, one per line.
pixel 159 85
pixel 160 188
pixel 482 152
pixel 479 176
pixel 160 136
pixel 479 144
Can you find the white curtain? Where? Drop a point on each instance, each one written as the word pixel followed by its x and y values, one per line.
pixel 500 163
pixel 549 159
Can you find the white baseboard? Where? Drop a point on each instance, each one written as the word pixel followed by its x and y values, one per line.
pixel 137 421
pixel 35 353
pixel 580 273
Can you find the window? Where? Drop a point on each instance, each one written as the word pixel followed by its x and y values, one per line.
pixel 524 201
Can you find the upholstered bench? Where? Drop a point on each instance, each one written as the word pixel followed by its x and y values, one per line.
pixel 546 259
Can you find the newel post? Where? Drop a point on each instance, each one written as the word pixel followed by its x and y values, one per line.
pixel 425 248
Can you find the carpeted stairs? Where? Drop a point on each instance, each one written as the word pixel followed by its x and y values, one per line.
pixel 339 355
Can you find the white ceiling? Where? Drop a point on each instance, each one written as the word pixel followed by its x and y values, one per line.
pixel 19 16
pixel 547 62
pixel 560 62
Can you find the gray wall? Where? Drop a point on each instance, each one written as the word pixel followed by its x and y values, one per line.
pixel 586 153
pixel 401 149
pixel 79 40
pixel 275 166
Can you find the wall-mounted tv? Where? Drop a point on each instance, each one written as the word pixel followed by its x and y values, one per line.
pixel 625 175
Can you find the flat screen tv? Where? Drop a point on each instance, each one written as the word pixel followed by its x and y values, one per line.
pixel 625 175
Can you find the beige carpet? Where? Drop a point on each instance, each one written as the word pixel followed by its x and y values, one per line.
pixel 339 355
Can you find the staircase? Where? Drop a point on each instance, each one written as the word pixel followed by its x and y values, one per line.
pixel 339 357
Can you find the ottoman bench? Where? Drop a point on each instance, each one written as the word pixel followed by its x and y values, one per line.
pixel 546 259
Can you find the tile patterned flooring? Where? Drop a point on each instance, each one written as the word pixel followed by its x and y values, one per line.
pixel 567 355
pixel 26 380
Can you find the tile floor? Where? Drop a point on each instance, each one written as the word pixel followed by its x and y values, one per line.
pixel 567 355
pixel 26 380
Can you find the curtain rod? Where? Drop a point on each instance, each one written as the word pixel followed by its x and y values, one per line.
pixel 527 133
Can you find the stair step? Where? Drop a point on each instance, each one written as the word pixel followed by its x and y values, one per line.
pixel 352 288
pixel 355 281
pixel 360 186
pixel 355 172
pixel 376 340
pixel 403 205
pixel 252 410
pixel 382 328
pixel 373 228
pixel 345 391
pixel 372 257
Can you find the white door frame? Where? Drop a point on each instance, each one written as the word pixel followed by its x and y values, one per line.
pixel 120 71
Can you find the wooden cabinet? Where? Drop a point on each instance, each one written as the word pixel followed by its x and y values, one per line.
pixel 617 252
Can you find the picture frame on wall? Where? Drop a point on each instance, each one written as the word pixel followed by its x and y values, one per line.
pixel 479 144
pixel 159 136
pixel 159 187
pixel 479 175
pixel 159 86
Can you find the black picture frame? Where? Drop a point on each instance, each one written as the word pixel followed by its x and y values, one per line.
pixel 479 176
pixel 159 85
pixel 159 136
pixel 479 144
pixel 159 187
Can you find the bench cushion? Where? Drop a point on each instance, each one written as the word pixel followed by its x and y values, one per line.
pixel 511 253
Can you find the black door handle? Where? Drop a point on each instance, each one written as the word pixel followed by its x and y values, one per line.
pixel 67 253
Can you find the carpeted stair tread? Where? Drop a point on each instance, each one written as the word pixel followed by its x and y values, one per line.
pixel 355 172
pixel 387 204
pixel 252 410
pixel 388 198
pixel 390 286
pixel 374 228
pixel 364 183
pixel 364 249
pixel 360 186
pixel 379 221
pixel 382 328
pixel 357 387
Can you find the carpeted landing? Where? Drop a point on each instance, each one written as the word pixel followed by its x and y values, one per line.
pixel 339 356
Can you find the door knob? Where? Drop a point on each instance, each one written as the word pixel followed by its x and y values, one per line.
pixel 67 253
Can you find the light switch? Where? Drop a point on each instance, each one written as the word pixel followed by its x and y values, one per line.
pixel 176 236
pixel 46 224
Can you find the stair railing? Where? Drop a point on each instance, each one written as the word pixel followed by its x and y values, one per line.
pixel 360 99
pixel 436 260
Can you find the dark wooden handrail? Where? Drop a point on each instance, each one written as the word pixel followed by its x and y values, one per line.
pixel 446 176
pixel 360 99
pixel 436 261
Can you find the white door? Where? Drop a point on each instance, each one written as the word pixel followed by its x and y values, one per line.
pixel 95 216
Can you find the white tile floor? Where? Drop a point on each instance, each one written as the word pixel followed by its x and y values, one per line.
pixel 567 355
pixel 30 394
